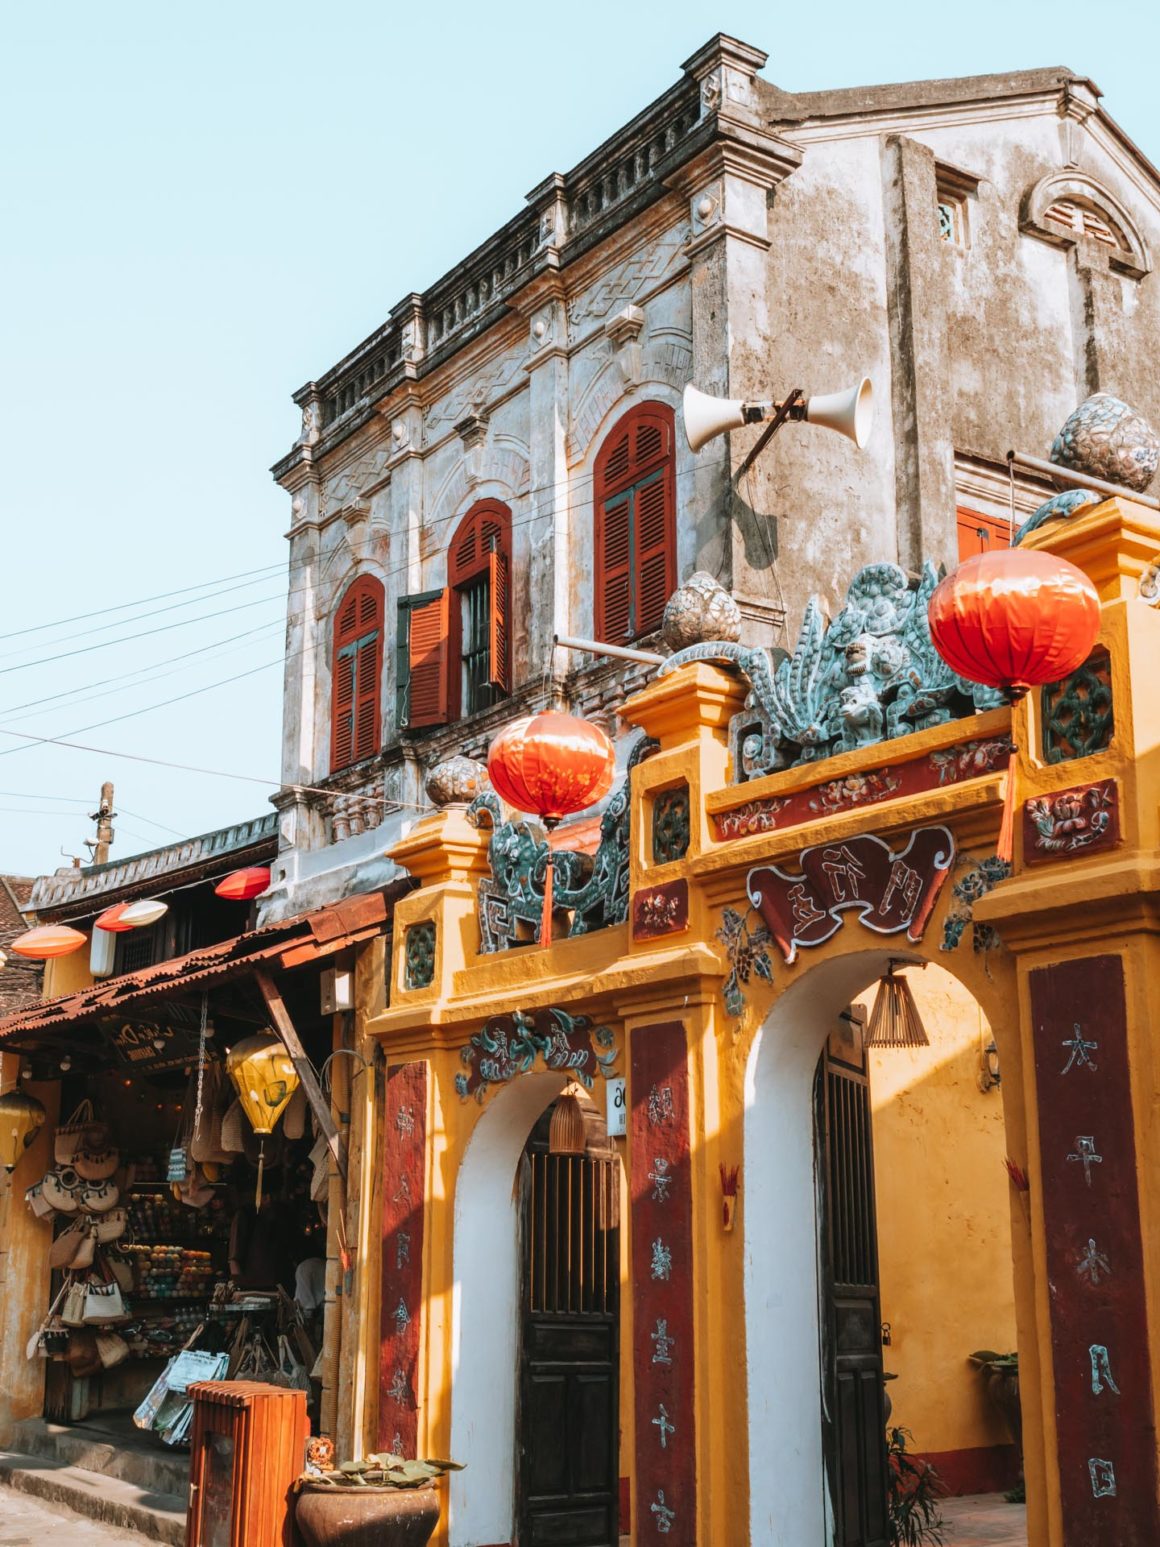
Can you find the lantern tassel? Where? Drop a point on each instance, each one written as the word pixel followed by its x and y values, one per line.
pixel 261 1173
pixel 546 916
pixel 1005 849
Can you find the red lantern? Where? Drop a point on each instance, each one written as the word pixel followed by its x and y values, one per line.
pixel 551 765
pixel 123 916
pixel 241 885
pixel 47 941
pixel 1014 619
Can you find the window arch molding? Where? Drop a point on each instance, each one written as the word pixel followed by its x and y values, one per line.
pixel 1130 255
pixel 634 523
pixel 356 672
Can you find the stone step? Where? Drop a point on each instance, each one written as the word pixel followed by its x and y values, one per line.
pixel 159 1517
pixel 133 1459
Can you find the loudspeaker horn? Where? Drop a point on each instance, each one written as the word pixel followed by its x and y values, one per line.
pixel 851 413
pixel 707 416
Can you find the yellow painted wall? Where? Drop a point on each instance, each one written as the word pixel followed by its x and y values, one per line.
pixel 67 974
pixel 944 1224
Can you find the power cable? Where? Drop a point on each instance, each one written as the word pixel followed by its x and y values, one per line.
pixel 99 612
pixel 147 675
pixel 144 634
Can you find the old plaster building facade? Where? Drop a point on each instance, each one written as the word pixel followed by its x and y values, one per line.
pixel 979 248
pixel 667 1323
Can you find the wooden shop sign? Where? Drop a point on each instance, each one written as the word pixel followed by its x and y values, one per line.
pixel 152 1045
pixel 888 891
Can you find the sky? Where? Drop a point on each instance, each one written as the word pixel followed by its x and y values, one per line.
pixel 205 206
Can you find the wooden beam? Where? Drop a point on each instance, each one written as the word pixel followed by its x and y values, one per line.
pixel 319 1105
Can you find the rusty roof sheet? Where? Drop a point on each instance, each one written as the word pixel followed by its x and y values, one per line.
pixel 291 943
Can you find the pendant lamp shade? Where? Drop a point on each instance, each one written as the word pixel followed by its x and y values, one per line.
pixel 123 916
pixel 241 885
pixel 1014 619
pixel 551 765
pixel 46 941
pixel 264 1077
pixel 21 1118
pixel 894 1020
pixel 566 1134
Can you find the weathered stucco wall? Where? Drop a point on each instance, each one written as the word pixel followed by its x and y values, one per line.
pixel 944 1225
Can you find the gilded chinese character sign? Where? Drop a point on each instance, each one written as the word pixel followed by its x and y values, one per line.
pixel 889 891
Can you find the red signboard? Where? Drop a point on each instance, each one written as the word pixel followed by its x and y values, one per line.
pixel 1095 1269
pixel 662 1279
pixel 401 1293
pixel 888 891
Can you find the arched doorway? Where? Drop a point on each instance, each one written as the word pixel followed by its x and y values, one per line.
pixel 505 1494
pixel 567 1414
pixel 818 1275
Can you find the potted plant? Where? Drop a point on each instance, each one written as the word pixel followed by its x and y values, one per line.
pixel 1000 1374
pixel 381 1501
pixel 914 1489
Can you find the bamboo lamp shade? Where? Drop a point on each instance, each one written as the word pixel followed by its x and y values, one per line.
pixel 894 1020
pixel 566 1135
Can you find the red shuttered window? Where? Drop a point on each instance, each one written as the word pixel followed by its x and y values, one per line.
pixel 979 533
pixel 356 673
pixel 455 644
pixel 636 524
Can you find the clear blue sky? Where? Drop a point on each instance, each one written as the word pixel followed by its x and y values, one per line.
pixel 206 205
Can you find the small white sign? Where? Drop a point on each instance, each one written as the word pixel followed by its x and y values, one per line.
pixel 617 1112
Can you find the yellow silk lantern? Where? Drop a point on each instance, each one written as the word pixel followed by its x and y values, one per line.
pixel 265 1078
pixel 21 1117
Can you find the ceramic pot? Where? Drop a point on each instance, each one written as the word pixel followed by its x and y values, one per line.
pixel 366 1517
pixel 1107 439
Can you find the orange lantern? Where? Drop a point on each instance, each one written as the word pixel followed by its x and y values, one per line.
pixel 123 916
pixel 551 765
pixel 1014 619
pixel 47 941
pixel 241 885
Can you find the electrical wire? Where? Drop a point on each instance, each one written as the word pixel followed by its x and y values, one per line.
pixel 144 634
pixel 137 817
pixel 99 612
pixel 34 706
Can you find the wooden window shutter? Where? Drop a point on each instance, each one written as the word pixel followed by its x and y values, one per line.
pixel 655 577
pixel 614 573
pixel 980 534
pixel 342 727
pixel 425 653
pixel 635 548
pixel 499 666
pixel 368 684
pixel 357 673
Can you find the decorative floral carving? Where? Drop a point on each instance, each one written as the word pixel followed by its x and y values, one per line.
pixel 871 675
pixel 977 882
pixel 660 910
pixel 1085 817
pixel 419 955
pixel 509 1046
pixel 853 790
pixel 755 816
pixel 745 948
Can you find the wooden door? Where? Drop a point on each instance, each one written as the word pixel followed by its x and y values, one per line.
pixel 568 1431
pixel 852 1421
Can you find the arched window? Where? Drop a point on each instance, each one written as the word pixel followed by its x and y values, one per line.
pixel 356 673
pixel 478 574
pixel 636 524
pixel 454 645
